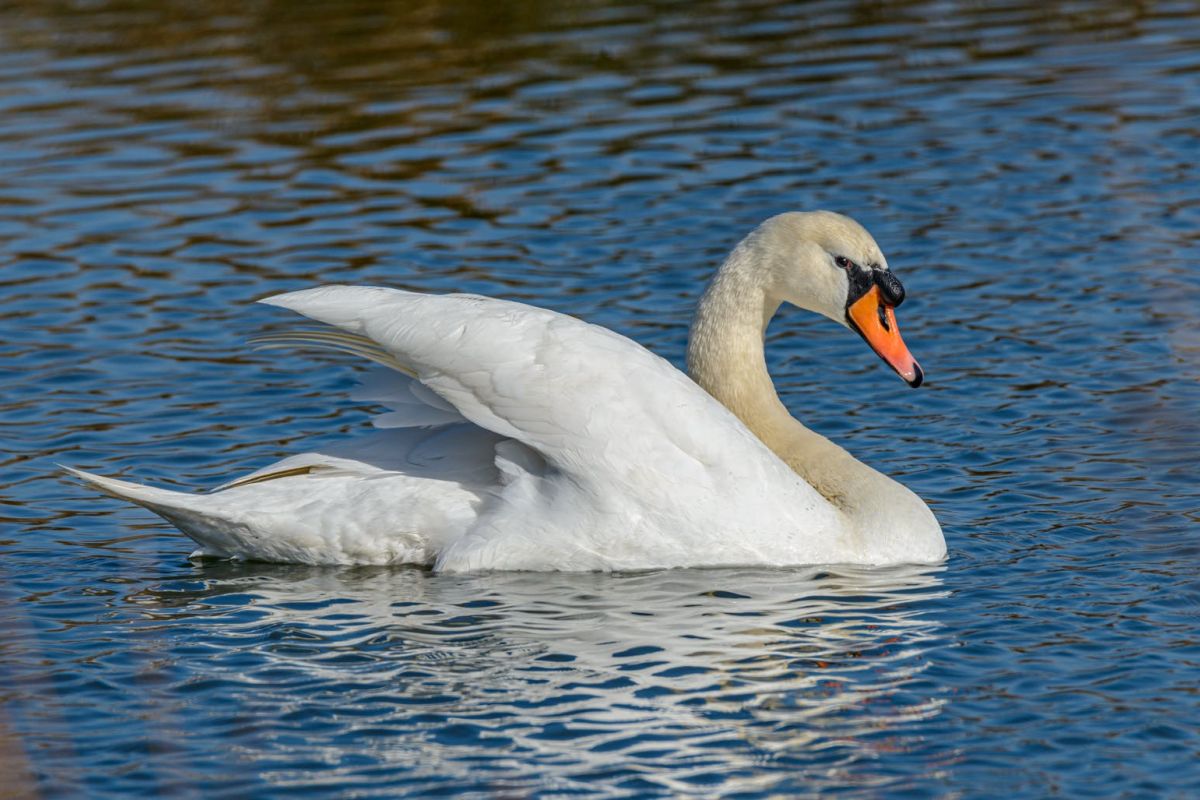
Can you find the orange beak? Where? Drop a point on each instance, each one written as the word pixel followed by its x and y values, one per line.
pixel 875 321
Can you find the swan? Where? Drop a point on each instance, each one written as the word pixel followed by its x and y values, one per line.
pixel 518 438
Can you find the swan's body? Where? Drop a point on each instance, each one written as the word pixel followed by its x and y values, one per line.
pixel 520 438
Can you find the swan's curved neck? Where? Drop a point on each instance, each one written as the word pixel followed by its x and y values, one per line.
pixel 725 356
pixel 725 349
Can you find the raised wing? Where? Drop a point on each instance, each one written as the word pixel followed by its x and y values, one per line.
pixel 577 393
pixel 625 443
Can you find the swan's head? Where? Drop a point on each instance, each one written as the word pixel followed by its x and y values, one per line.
pixel 828 263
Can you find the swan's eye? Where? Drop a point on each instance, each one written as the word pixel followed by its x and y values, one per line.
pixel 844 262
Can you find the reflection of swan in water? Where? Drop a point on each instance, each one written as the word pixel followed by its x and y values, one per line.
pixel 808 667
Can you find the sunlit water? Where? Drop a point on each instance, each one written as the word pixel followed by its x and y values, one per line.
pixel 1030 172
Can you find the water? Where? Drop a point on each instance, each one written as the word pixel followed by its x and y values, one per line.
pixel 1030 170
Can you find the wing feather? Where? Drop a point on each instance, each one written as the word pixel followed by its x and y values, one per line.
pixel 592 402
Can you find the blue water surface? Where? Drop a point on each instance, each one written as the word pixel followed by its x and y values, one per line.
pixel 1030 171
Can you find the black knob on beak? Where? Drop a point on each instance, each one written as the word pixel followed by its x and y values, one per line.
pixel 890 286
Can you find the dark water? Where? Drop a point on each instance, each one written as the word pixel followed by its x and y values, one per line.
pixel 1030 171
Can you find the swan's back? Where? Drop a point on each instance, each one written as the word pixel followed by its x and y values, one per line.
pixel 612 458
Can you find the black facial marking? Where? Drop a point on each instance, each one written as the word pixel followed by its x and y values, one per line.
pixel 863 278
pixel 860 281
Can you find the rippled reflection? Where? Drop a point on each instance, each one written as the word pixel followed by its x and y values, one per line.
pixel 749 679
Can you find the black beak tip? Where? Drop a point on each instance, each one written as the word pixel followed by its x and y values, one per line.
pixel 918 378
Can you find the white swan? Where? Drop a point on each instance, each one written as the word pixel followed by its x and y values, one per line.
pixel 519 438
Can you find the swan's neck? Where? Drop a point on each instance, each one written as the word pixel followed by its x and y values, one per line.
pixel 725 356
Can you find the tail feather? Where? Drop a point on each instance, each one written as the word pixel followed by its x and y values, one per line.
pixel 147 496
pixel 181 509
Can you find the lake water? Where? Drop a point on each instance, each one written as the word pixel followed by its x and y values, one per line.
pixel 1030 170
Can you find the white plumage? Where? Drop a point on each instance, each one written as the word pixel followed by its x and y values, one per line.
pixel 520 439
